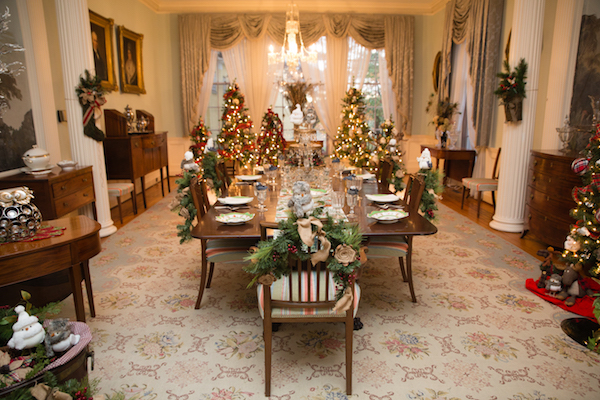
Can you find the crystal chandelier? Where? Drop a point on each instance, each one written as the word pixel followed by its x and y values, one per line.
pixel 290 53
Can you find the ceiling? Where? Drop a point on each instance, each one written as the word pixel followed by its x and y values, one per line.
pixel 413 7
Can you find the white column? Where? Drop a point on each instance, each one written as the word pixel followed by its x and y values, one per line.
pixel 76 56
pixel 562 69
pixel 517 138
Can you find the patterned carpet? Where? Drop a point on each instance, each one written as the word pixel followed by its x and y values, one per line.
pixel 475 333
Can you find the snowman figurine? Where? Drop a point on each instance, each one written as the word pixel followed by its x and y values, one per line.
pixel 297 116
pixel 425 160
pixel 27 331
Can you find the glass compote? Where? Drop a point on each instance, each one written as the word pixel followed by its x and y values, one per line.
pixel 260 191
pixel 352 200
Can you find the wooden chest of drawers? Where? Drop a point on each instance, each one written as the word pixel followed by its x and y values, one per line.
pixel 59 192
pixel 548 201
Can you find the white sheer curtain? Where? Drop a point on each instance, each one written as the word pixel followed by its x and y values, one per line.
pixel 247 63
pixel 358 63
pixel 388 98
pixel 207 83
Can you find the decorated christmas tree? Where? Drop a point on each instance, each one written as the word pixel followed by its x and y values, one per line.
pixel 199 137
pixel 387 148
pixel 270 141
pixel 236 141
pixel 352 141
pixel 583 242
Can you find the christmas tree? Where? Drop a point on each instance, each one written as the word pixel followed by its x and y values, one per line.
pixel 387 147
pixel 236 140
pixel 270 140
pixel 199 137
pixel 583 242
pixel 353 140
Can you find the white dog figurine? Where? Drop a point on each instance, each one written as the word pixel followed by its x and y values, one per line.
pixel 425 160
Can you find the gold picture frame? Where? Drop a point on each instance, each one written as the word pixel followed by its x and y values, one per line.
pixel 130 61
pixel 102 46
pixel 435 75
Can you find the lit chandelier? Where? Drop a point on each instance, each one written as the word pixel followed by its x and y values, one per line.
pixel 290 53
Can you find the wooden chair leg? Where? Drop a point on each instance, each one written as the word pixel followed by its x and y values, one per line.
pixel 401 262
pixel 462 203
pixel 267 334
pixel 202 274
pixel 120 209
pixel 478 203
pixel 409 270
pixel 210 275
pixel 349 348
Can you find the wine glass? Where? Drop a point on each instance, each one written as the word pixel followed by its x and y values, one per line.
pixel 352 200
pixel 260 191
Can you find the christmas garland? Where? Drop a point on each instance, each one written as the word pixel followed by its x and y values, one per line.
pixel 433 189
pixel 91 97
pixel 270 260
pixel 183 204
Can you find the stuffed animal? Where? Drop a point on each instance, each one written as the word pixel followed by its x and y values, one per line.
pixel 301 202
pixel 59 337
pixel 188 162
pixel 571 287
pixel 28 332
pixel 554 284
pixel 548 267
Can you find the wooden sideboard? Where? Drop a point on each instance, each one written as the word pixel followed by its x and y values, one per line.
pixel 133 156
pixel 548 201
pixel 58 193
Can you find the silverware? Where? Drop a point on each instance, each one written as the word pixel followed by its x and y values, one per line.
pixel 232 208
pixel 386 206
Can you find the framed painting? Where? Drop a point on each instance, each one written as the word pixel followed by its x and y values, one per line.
pixel 130 61
pixel 102 47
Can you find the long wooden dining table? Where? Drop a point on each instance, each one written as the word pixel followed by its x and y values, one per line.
pixel 208 228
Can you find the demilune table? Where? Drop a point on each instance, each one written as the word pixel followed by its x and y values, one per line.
pixel 208 228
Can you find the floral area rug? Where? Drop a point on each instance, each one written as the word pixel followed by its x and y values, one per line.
pixel 475 332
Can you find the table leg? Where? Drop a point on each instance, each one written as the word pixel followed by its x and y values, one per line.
pixel 203 274
pixel 75 278
pixel 144 192
pixel 168 180
pixel 85 267
pixel 409 269
pixel 162 182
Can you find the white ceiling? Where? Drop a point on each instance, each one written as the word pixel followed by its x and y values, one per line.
pixel 413 7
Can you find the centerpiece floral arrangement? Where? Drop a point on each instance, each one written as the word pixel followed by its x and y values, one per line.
pixel 270 260
pixel 442 111
pixel 511 89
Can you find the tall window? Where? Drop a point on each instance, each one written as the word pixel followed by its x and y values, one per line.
pixel 372 92
pixel 215 106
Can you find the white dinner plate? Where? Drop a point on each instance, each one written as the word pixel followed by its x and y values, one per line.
pixel 366 176
pixel 382 198
pixel 44 171
pixel 234 218
pixel 317 192
pixel 388 216
pixel 235 200
pixel 248 177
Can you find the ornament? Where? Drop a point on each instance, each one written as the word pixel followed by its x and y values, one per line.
pixel 345 254
pixel 571 244
pixel 580 165
pixel 27 331
pixel 583 231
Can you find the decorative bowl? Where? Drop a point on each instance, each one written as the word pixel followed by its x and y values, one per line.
pixel 234 218
pixel 36 159
pixel 235 200
pixel 388 216
pixel 67 165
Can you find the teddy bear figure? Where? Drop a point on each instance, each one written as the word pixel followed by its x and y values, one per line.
pixel 59 337
pixel 27 331
pixel 301 202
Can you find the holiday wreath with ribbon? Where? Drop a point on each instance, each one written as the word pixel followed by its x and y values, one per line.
pixel 309 238
pixel 91 98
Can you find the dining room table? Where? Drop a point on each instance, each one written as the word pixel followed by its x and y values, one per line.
pixel 208 228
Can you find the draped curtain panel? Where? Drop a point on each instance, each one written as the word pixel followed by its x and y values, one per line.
pixel 480 24
pixel 358 63
pixel 207 82
pixel 388 100
pixel 199 33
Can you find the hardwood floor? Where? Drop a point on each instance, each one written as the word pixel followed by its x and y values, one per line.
pixel 451 198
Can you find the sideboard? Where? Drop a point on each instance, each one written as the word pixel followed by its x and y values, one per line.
pixel 133 156
pixel 548 200
pixel 59 192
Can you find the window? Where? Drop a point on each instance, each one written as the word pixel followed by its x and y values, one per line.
pixel 372 93
pixel 212 119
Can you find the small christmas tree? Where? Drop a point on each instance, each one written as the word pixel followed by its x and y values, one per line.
pixel 583 243
pixel 270 140
pixel 387 147
pixel 236 140
pixel 199 137
pixel 353 141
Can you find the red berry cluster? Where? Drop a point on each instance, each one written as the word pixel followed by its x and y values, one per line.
pixel 276 256
pixel 81 395
pixel 292 248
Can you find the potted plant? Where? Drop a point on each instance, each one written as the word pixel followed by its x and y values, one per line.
pixel 442 112
pixel 511 90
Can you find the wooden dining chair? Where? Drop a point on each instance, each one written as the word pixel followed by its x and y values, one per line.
pixel 215 250
pixel 307 294
pixel 480 185
pixel 401 245
pixel 222 174
pixel 385 172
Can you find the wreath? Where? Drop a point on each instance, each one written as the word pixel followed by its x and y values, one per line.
pixel 91 97
pixel 335 243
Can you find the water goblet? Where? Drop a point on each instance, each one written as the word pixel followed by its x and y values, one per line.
pixel 260 191
pixel 337 200
pixel 352 199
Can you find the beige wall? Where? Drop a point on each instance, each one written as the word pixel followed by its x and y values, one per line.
pixel 160 52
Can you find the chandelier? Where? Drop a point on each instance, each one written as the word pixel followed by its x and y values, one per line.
pixel 290 53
